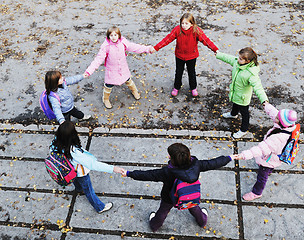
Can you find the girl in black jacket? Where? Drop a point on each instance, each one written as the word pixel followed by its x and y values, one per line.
pixel 184 167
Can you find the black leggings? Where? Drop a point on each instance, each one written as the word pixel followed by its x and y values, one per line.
pixel 244 110
pixel 75 113
pixel 180 66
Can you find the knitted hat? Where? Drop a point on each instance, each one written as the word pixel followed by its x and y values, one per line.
pixel 287 117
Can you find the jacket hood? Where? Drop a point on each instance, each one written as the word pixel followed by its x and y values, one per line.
pixel 188 175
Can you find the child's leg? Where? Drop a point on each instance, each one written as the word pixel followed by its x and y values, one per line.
pixel 200 217
pixel 86 185
pixel 131 85
pixel 191 73
pixel 180 65
pixel 235 109
pixel 160 215
pixel 106 95
pixel 261 180
pixel 244 110
pixel 76 113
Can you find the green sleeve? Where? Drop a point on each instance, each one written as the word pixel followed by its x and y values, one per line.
pixel 226 58
pixel 258 89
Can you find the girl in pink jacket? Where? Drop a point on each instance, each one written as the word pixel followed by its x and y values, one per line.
pixel 266 152
pixel 113 53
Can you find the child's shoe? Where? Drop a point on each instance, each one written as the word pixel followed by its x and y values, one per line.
pixel 239 134
pixel 152 215
pixel 106 97
pixel 228 115
pixel 85 118
pixel 174 92
pixel 194 92
pixel 204 210
pixel 251 196
pixel 131 85
pixel 107 207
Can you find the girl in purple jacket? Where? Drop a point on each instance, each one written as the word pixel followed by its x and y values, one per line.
pixel 113 53
pixel 266 152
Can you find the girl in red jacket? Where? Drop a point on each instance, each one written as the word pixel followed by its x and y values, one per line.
pixel 187 34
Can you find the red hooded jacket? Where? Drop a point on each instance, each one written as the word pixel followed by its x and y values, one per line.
pixel 186 42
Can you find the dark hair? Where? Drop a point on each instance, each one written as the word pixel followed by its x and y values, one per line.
pixel 51 81
pixel 249 55
pixel 66 136
pixel 113 29
pixel 179 155
pixel 189 17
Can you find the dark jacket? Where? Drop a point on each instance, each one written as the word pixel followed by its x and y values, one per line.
pixel 168 174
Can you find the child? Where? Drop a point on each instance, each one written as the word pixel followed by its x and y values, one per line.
pixel 64 108
pixel 266 152
pixel 184 167
pixel 244 78
pixel 113 53
pixel 67 141
pixel 187 34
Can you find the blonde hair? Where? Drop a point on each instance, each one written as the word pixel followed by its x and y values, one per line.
pixel 189 17
pixel 113 29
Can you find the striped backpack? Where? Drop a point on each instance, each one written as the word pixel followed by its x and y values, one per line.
pixel 185 195
pixel 60 168
pixel 46 106
pixel 292 146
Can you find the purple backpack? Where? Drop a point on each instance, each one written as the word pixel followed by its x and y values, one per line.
pixel 45 105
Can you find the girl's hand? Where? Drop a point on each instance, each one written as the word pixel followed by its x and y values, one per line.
pixel 265 103
pixel 124 174
pixel 152 50
pixel 85 75
pixel 118 170
pixel 216 52
pixel 236 157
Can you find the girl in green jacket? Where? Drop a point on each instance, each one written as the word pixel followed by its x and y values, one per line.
pixel 245 78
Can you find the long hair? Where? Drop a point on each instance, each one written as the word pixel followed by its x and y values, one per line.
pixel 51 81
pixel 113 29
pixel 189 17
pixel 65 138
pixel 249 55
pixel 179 155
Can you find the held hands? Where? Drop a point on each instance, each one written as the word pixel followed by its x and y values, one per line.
pixel 152 50
pixel 120 170
pixel 85 75
pixel 236 157
pixel 265 103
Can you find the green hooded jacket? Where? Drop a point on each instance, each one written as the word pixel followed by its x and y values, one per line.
pixel 245 78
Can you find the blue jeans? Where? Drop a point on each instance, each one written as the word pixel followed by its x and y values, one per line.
pixel 84 184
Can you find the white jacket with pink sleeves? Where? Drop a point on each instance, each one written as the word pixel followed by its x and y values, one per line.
pixel 114 55
pixel 265 153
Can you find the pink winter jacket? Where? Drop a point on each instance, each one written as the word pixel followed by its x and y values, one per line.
pixel 265 153
pixel 114 55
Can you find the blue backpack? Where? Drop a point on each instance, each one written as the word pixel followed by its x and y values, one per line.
pixel 46 106
pixel 185 195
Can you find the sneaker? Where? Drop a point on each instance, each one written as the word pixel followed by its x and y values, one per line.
pixel 85 118
pixel 107 207
pixel 152 215
pixel 239 134
pixel 228 115
pixel 194 92
pixel 251 196
pixel 174 92
pixel 204 210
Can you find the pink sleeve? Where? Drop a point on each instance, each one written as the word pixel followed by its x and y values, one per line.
pixel 271 111
pixel 99 59
pixel 137 48
pixel 273 144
